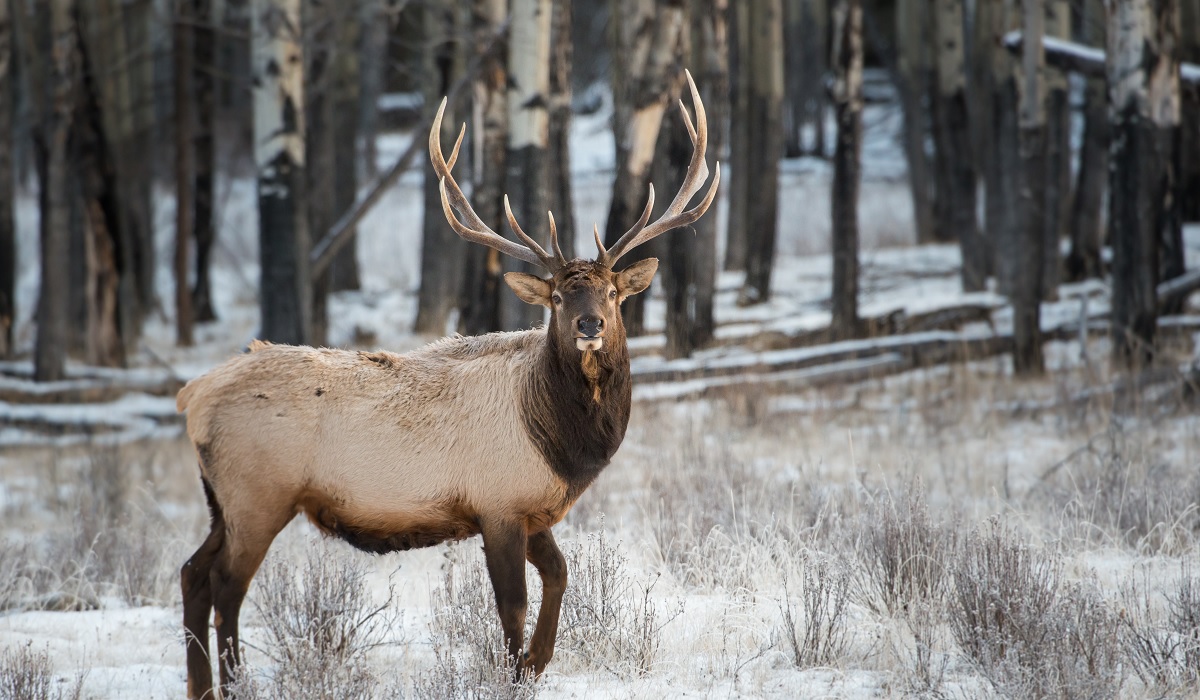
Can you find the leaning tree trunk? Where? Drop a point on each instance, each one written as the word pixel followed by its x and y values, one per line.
pixel 526 173
pixel 1058 153
pixel 1083 259
pixel 204 226
pixel 1143 91
pixel 647 95
pixel 50 350
pixel 762 59
pixel 182 51
pixel 911 49
pixel 8 239
pixel 1029 253
pixel 285 283
pixel 440 246
pixel 957 179
pixel 691 260
pixel 847 62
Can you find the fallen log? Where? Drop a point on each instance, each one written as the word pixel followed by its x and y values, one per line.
pixel 1086 60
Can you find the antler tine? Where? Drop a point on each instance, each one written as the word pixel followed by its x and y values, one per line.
pixel 546 259
pixel 600 251
pixel 474 229
pixel 561 259
pixel 697 173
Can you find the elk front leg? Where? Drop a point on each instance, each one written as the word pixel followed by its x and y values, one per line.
pixel 544 554
pixel 504 549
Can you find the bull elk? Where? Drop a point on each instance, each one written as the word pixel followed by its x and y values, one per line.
pixel 494 435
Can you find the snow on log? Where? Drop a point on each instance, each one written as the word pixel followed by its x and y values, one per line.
pixel 1071 56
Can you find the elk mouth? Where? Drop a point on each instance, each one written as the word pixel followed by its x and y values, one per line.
pixel 589 342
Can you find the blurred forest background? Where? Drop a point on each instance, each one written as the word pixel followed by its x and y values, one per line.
pixel 103 101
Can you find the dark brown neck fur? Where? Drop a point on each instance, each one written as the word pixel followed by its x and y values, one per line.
pixel 576 423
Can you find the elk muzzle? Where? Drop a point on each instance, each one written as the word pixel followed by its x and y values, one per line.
pixel 589 333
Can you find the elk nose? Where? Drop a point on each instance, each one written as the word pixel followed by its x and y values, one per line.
pixel 590 326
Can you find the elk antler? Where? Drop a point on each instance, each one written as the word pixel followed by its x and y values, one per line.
pixel 475 230
pixel 674 216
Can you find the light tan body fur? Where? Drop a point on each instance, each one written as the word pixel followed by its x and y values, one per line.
pixel 374 441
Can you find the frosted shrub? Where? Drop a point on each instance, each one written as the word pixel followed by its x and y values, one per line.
pixel 905 553
pixel 25 675
pixel 320 624
pixel 814 625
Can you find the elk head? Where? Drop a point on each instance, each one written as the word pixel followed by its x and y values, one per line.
pixel 584 296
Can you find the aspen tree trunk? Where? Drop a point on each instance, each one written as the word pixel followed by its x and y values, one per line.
pixel 185 166
pixel 806 56
pixel 1143 93
pixel 286 286
pixel 8 238
pixel 763 63
pixel 526 173
pixel 343 271
pixel 1030 256
pixel 739 146
pixel 816 66
pixel 690 277
pixel 1058 153
pixel 317 34
pixel 373 60
pixel 1189 111
pixel 1083 260
pixel 204 70
pixel 50 350
pixel 559 153
pixel 957 181
pixel 440 247
pixel 847 64
pixel 648 94
pixel 911 69
pixel 979 84
pixel 480 310
pixel 1001 170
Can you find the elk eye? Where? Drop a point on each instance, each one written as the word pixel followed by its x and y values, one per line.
pixel 557 299
pixel 612 294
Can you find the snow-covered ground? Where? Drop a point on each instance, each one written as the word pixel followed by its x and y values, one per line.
pixel 719 520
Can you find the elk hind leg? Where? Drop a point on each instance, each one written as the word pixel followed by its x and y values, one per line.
pixel 504 550
pixel 542 551
pixel 195 582
pixel 232 572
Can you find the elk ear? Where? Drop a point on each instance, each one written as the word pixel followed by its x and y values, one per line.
pixel 531 289
pixel 637 277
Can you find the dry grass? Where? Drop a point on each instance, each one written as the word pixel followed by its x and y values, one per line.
pixel 25 674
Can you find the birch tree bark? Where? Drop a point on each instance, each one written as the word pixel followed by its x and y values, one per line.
pixel 911 69
pixel 690 274
pixel 526 171
pixel 1143 94
pixel 1029 252
pixel 280 160
pixel 847 64
pixel 204 71
pixel 1001 219
pixel 440 246
pixel 561 201
pixel 479 309
pixel 8 238
pixel 1083 259
pixel 957 180
pixel 343 271
pixel 182 50
pixel 1058 153
pixel 763 63
pixel 647 90
pixel 50 349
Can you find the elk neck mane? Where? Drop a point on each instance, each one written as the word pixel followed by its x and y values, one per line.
pixel 576 407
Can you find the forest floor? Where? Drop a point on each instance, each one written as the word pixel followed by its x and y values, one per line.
pixel 943 531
